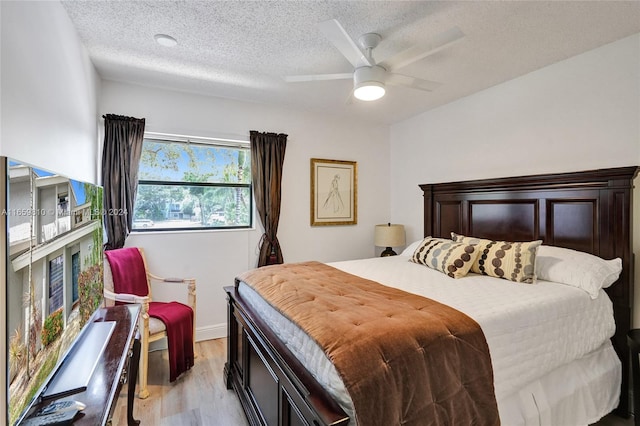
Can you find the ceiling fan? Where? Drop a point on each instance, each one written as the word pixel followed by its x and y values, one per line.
pixel 370 77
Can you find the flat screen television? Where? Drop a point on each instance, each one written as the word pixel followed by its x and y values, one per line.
pixel 54 267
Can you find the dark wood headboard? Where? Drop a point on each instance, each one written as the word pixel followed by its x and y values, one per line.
pixel 589 211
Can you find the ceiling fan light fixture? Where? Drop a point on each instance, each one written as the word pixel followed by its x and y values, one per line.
pixel 368 83
pixel 369 91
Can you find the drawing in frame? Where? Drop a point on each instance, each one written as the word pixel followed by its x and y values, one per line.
pixel 334 192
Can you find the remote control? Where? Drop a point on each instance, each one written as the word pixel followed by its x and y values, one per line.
pixel 59 406
pixel 59 418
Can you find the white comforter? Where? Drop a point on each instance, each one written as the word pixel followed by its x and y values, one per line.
pixel 531 329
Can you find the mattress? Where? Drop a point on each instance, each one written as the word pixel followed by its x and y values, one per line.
pixel 542 337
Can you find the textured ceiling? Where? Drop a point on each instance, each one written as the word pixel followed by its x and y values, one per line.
pixel 242 49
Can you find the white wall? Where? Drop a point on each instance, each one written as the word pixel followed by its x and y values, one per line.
pixel 48 107
pixel 49 91
pixel 579 114
pixel 215 258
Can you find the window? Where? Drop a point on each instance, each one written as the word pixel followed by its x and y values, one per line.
pixel 193 185
pixel 56 283
pixel 75 274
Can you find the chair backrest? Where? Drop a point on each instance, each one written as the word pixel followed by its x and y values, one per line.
pixel 125 271
pixel 107 278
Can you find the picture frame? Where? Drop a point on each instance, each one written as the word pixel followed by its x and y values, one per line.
pixel 334 192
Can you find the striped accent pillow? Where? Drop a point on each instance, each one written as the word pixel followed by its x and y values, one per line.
pixel 451 258
pixel 514 261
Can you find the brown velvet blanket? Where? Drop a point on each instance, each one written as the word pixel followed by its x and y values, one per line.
pixel 404 359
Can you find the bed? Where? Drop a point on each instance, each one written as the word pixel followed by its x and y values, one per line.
pixel 277 383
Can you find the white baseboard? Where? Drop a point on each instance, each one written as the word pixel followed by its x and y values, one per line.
pixel 209 332
pixel 202 333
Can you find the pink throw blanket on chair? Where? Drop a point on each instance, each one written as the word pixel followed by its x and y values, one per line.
pixel 130 276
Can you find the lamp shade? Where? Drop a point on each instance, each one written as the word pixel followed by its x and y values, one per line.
pixel 389 235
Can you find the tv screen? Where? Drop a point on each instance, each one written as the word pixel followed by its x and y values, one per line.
pixel 54 273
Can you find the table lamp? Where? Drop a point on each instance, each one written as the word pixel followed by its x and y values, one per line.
pixel 389 236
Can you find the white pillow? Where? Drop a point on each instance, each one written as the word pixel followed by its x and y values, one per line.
pixel 578 269
pixel 411 248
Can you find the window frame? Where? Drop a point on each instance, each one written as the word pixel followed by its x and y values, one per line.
pixel 203 141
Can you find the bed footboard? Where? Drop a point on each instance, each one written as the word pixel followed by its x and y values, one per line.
pixel 272 385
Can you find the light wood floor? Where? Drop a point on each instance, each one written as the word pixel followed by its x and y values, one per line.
pixel 199 397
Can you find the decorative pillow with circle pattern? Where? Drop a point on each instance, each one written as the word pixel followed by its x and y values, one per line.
pixel 513 261
pixel 451 258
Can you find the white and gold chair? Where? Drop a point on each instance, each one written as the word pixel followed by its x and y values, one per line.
pixel 150 328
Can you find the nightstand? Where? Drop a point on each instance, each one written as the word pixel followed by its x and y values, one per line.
pixel 633 340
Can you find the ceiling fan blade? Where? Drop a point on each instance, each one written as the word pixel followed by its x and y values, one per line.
pixel 337 35
pixel 317 77
pixel 412 82
pixel 350 98
pixel 418 52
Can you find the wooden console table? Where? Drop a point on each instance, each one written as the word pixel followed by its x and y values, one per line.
pixel 118 360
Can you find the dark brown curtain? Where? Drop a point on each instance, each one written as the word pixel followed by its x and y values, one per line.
pixel 267 157
pixel 120 162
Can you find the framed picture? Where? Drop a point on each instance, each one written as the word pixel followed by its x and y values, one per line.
pixel 334 192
